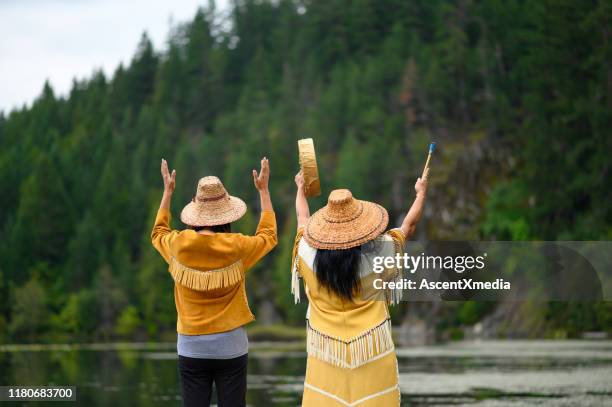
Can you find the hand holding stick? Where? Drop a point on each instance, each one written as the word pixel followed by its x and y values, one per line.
pixel 432 147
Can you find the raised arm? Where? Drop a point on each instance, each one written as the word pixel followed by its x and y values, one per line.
pixel 162 235
pixel 261 183
pixel 301 204
pixel 416 210
pixel 265 239
pixel 169 184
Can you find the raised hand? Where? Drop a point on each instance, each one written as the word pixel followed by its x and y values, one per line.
pixel 421 184
pixel 261 180
pixel 169 179
pixel 301 203
pixel 416 210
pixel 299 180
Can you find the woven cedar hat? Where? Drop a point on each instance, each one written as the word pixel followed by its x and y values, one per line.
pixel 345 222
pixel 212 205
pixel 308 164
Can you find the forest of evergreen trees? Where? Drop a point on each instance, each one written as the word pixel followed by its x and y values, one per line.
pixel 518 95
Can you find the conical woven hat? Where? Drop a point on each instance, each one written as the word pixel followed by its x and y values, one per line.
pixel 212 205
pixel 345 222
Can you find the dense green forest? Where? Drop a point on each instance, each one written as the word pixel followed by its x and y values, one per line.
pixel 518 95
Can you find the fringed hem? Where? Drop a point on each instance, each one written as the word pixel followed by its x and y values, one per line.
pixel 206 280
pixel 351 354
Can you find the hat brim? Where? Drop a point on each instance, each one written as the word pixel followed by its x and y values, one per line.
pixel 207 214
pixel 322 234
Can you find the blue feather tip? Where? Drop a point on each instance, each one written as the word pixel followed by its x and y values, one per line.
pixel 432 147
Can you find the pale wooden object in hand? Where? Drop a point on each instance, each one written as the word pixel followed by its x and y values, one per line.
pixel 432 147
pixel 308 164
pixel 426 166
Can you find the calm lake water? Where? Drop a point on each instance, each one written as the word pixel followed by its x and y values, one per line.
pixel 493 373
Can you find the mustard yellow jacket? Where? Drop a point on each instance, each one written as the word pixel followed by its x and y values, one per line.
pixel 351 354
pixel 209 272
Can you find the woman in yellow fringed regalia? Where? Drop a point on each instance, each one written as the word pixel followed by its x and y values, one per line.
pixel 351 355
pixel 209 264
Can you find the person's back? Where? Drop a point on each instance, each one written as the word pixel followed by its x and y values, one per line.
pixel 209 271
pixel 351 355
pixel 209 265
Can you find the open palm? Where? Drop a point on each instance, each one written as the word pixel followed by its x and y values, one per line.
pixel 261 180
pixel 169 179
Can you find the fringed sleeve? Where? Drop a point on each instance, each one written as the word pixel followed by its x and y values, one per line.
pixel 295 272
pixel 395 296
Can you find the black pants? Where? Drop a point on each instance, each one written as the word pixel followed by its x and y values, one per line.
pixel 198 375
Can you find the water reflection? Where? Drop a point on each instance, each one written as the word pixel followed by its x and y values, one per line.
pixel 510 373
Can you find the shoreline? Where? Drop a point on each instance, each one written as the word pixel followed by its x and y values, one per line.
pixel 284 345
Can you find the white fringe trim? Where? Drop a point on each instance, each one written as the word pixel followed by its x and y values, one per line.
pixel 351 354
pixel 206 280
pixel 394 296
pixel 295 280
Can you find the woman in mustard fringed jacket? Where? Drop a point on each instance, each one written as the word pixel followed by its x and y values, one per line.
pixel 351 355
pixel 208 264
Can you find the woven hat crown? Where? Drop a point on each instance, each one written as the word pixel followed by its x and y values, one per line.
pixel 342 207
pixel 345 222
pixel 210 188
pixel 212 205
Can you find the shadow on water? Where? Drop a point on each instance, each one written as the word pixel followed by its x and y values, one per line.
pixel 485 374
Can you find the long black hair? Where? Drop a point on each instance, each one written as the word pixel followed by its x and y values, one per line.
pixel 338 271
pixel 225 228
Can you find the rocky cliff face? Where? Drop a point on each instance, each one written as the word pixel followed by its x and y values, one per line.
pixel 463 173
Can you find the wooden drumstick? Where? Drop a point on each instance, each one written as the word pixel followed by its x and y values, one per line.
pixel 432 147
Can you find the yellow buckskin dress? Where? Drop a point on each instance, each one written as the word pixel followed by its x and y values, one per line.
pixel 351 355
